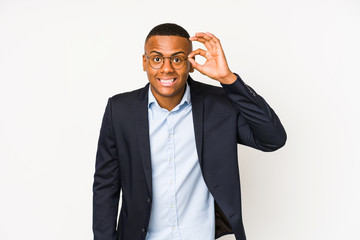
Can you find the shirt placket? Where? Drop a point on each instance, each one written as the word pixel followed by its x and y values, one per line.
pixel 172 176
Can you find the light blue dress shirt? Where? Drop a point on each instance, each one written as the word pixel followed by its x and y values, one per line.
pixel 182 206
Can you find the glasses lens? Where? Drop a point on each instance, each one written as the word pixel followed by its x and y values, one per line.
pixel 156 61
pixel 177 62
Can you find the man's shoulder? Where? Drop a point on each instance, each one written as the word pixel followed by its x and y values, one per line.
pixel 214 97
pixel 207 89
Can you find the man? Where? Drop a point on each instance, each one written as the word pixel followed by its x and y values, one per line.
pixel 171 147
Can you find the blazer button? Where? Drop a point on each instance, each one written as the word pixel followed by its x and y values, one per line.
pixel 143 230
pixel 148 200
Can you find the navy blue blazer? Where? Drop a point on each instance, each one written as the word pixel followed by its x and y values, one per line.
pixel 223 117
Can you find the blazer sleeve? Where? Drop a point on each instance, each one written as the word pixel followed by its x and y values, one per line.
pixel 106 187
pixel 257 125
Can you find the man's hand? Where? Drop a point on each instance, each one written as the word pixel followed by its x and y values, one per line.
pixel 216 66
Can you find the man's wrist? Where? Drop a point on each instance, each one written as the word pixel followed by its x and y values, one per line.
pixel 228 79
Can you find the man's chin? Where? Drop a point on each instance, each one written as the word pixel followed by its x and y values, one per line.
pixel 165 93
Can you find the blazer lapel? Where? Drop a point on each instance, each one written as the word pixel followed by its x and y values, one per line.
pixel 198 115
pixel 142 130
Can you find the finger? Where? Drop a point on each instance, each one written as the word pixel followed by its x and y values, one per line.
pixel 202 35
pixel 207 43
pixel 208 37
pixel 198 51
pixel 215 42
pixel 212 36
pixel 196 65
pixel 195 37
pixel 203 41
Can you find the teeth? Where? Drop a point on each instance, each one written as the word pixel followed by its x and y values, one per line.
pixel 167 81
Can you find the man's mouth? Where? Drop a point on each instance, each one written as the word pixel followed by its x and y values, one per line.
pixel 167 82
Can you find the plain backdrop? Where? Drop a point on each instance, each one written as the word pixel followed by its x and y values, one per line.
pixel 61 60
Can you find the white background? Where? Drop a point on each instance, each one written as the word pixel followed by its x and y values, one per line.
pixel 61 60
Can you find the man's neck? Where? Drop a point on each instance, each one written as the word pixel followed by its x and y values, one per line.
pixel 168 103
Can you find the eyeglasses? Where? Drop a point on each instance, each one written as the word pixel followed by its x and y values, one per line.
pixel 157 61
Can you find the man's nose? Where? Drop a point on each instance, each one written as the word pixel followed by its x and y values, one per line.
pixel 166 67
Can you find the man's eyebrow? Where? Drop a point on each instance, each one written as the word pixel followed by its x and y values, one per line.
pixel 171 54
pixel 177 53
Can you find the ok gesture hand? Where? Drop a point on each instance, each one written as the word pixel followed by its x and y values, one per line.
pixel 216 66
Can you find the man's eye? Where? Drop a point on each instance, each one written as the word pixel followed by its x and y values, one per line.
pixel 177 60
pixel 157 59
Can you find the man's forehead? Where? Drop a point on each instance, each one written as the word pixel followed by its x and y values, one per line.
pixel 168 44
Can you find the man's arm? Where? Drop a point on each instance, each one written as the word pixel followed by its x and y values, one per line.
pixel 106 188
pixel 258 125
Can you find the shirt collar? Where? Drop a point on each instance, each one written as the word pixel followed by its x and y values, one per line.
pixel 185 99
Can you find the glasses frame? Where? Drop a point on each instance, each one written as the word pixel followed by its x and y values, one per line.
pixel 163 61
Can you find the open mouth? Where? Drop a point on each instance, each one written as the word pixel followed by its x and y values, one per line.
pixel 167 82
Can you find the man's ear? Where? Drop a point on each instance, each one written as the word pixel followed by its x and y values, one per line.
pixel 144 63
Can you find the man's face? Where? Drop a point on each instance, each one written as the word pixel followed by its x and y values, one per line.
pixel 166 82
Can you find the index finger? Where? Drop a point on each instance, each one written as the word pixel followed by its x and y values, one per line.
pixel 198 51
